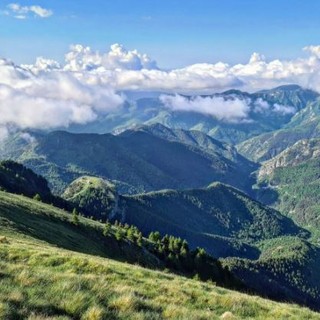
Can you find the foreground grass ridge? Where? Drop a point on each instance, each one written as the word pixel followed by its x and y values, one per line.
pixel 39 281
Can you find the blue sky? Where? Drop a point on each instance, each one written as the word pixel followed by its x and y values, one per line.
pixel 173 32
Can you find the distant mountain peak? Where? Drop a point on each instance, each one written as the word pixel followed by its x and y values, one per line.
pixel 287 88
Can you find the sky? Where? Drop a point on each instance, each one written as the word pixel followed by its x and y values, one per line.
pixel 66 62
pixel 175 33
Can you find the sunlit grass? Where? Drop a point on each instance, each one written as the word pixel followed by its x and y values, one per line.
pixel 38 281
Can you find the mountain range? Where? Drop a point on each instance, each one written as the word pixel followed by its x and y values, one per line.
pixel 139 160
pixel 264 114
pixel 219 218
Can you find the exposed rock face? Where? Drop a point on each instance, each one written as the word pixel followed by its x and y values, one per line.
pixel 302 151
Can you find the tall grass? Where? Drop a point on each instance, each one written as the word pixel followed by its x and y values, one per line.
pixel 38 281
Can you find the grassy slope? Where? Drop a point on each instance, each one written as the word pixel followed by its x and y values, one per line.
pixel 39 281
pixel 29 219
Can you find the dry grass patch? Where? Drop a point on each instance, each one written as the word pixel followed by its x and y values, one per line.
pixel 94 313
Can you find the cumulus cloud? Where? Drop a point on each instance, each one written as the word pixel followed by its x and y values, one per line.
pixel 131 70
pixel 227 110
pixel 45 100
pixel 23 12
pixel 42 65
pixel 82 58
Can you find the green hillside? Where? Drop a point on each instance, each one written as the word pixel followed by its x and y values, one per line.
pixel 93 196
pixel 227 223
pixel 18 179
pixel 218 210
pixel 288 269
pixel 24 218
pixel 196 139
pixel 40 279
pixel 219 218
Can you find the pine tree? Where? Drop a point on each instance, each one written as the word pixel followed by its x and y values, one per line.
pixel 107 228
pixel 75 217
pixel 37 197
pixel 139 239
pixel 154 236
pixel 130 234
pixel 119 234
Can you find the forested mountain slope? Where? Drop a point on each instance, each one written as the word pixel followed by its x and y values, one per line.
pixel 137 159
pixel 291 181
pixel 219 218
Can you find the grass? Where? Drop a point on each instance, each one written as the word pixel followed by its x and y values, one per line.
pixel 39 281
pixel 24 218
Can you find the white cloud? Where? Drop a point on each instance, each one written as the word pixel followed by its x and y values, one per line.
pixel 131 70
pixel 46 100
pixel 49 94
pixel 284 110
pixel 23 12
pixel 27 137
pixel 262 106
pixel 314 50
pixel 43 64
pixel 227 110
pixel 82 58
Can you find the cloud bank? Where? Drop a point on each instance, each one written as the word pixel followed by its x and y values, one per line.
pixel 49 94
pixel 131 70
pixel 49 99
pixel 23 12
pixel 227 110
